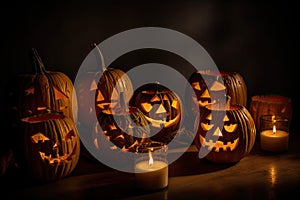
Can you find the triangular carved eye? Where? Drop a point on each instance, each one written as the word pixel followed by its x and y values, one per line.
pixel 160 109
pixel 155 98
pixel 39 137
pixel 196 86
pixel 146 106
pixel 226 119
pixel 217 86
pixel 205 94
pixel 100 96
pixel 230 128
pixel 59 94
pixel 166 98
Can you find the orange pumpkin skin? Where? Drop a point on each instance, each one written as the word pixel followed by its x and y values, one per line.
pixel 270 105
pixel 48 146
pixel 124 130
pixel 227 139
pixel 43 90
pixel 209 85
pixel 162 108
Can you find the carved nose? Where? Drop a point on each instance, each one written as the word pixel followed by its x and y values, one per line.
pixel 218 132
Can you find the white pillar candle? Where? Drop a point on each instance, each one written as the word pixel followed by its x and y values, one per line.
pixel 274 140
pixel 151 176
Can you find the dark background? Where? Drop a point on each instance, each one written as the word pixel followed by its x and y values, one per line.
pixel 256 39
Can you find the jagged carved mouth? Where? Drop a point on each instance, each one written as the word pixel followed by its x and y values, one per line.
pixel 218 145
pixel 58 160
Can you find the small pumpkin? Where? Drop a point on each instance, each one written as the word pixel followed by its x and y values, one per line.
pixel 209 85
pixel 162 108
pixel 48 146
pixel 224 134
pixel 270 105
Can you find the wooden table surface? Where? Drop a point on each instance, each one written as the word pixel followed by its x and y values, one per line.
pixel 260 175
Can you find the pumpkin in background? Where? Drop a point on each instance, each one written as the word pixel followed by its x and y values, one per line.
pixel 270 105
pixel 209 85
pixel 43 90
pixel 161 107
pixel 225 134
pixel 112 82
pixel 48 146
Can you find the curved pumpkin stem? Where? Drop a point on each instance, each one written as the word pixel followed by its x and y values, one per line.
pixel 38 63
pixel 101 57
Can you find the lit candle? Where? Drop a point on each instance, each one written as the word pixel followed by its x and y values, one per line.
pixel 274 140
pixel 152 174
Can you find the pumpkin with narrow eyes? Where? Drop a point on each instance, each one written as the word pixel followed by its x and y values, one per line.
pixel 43 90
pixel 225 134
pixel 208 86
pixel 48 146
pixel 161 107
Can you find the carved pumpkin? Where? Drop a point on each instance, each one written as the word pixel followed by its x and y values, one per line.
pixel 209 85
pixel 225 134
pixel 48 146
pixel 162 108
pixel 125 130
pixel 112 82
pixel 43 90
pixel 269 105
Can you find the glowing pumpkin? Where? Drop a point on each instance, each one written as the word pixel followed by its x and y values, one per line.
pixel 225 134
pixel 162 108
pixel 41 91
pixel 112 82
pixel 48 146
pixel 209 85
pixel 124 131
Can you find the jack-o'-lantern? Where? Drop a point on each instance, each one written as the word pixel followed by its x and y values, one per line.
pixel 48 146
pixel 225 134
pixel 35 93
pixel 123 131
pixel 208 86
pixel 112 82
pixel 162 108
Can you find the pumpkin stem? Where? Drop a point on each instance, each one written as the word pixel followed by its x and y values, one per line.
pixel 101 57
pixel 38 63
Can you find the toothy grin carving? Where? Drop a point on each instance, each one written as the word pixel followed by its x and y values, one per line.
pixel 217 145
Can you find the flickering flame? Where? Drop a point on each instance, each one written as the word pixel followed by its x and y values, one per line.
pixel 150 158
pixel 274 129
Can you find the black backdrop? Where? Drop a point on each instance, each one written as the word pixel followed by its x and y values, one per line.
pixel 256 39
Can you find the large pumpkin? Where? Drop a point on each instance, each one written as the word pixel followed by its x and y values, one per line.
pixel 48 146
pixel 43 90
pixel 162 108
pixel 225 134
pixel 209 85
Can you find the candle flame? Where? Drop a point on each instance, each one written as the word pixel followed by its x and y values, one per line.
pixel 274 129
pixel 150 158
